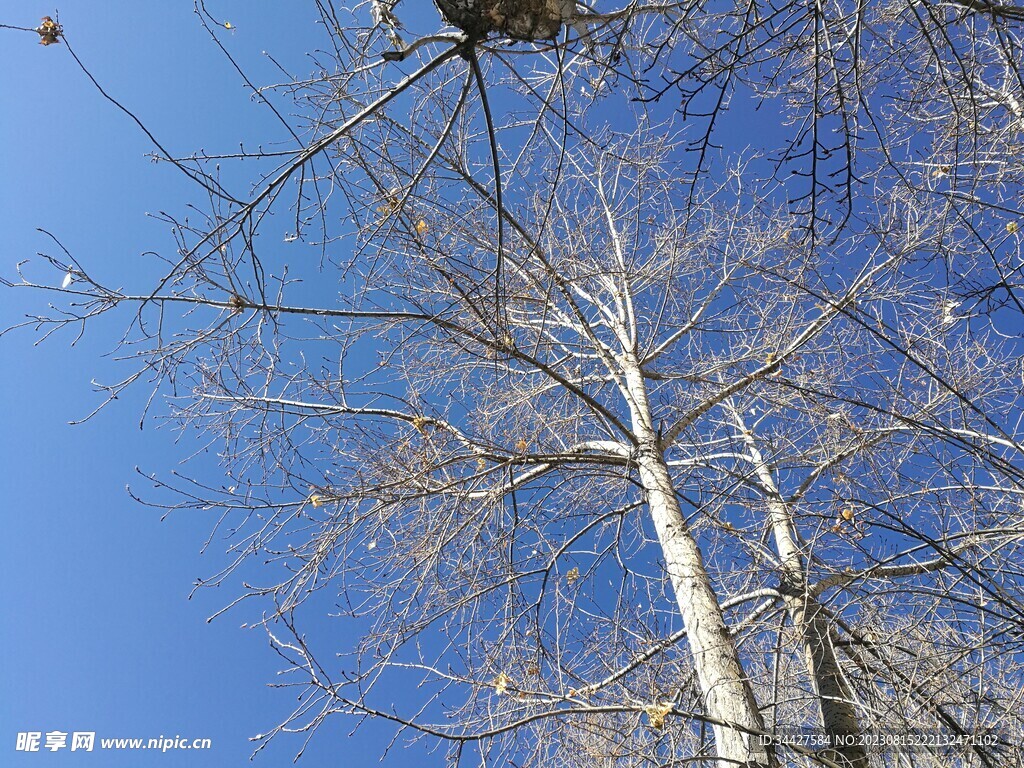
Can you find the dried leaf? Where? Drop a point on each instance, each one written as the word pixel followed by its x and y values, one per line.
pixel 481 463
pixel 573 575
pixel 316 500
pixel 421 227
pixel 847 513
pixel 49 31
pixel 522 445
pixel 501 683
pixel 421 423
pixel 391 202
pixel 656 714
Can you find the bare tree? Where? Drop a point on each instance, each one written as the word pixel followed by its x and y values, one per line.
pixel 618 447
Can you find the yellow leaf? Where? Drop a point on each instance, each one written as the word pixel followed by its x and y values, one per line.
pixel 1011 227
pixel 501 683
pixel 656 714
pixel 49 31
pixel 228 25
pixel 316 500
pixel 847 513
pixel 481 463
pixel 421 423
pixel 572 575
pixel 421 227
pixel 522 445
pixel 391 201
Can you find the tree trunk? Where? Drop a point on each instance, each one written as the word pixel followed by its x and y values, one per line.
pixel 727 693
pixel 835 700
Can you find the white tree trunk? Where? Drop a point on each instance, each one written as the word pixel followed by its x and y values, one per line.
pixel 727 693
pixel 838 713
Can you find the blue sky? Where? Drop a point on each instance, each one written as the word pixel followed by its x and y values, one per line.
pixel 99 634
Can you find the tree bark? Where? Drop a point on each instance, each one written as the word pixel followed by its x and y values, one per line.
pixel 727 693
pixel 519 19
pixel 835 700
